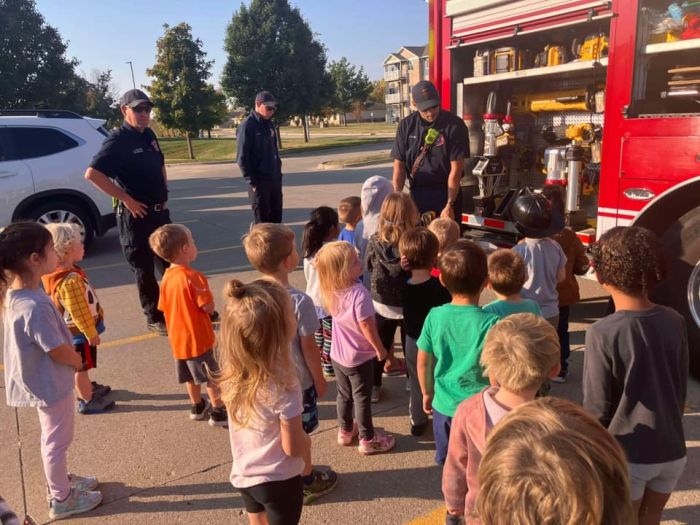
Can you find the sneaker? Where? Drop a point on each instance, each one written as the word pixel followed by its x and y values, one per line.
pixel 328 373
pixel 199 411
pixel 218 417
pixel 323 483
pixel 418 430
pixel 345 437
pixel 378 444
pixel 158 327
pixel 97 405
pixel 78 501
pixel 100 390
pixel 376 394
pixel 561 378
pixel 83 483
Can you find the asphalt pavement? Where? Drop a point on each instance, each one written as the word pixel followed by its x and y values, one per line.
pixel 157 466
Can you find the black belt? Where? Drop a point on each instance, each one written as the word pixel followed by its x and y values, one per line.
pixel 157 207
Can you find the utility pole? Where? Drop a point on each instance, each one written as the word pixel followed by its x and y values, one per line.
pixel 132 73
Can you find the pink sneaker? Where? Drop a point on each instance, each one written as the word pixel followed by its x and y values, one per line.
pixel 345 437
pixel 378 444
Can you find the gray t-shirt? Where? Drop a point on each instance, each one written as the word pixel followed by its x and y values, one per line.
pixel 32 327
pixel 543 258
pixel 635 377
pixel 307 324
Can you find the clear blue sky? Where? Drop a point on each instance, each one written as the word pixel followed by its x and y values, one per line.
pixel 104 34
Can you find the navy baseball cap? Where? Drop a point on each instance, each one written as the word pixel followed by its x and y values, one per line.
pixel 133 98
pixel 425 95
pixel 265 97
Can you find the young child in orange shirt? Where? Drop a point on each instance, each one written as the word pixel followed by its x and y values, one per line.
pixel 186 302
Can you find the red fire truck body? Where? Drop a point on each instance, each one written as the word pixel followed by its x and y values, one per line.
pixel 646 128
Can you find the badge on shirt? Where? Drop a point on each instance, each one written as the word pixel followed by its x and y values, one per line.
pixel 137 151
pixel 440 140
pixel 154 145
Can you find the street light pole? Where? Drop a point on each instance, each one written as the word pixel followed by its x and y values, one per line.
pixel 132 73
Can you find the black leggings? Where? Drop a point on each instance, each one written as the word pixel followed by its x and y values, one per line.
pixel 280 500
pixel 387 330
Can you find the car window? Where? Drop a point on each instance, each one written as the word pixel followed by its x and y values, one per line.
pixel 7 150
pixel 29 143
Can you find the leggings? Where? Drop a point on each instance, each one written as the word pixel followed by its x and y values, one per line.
pixel 281 501
pixel 323 341
pixel 56 423
pixel 387 329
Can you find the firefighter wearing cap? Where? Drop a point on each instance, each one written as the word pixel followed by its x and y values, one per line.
pixel 259 160
pixel 130 168
pixel 429 152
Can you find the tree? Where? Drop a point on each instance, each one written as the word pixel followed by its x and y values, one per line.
pixel 101 99
pixel 378 92
pixel 34 69
pixel 179 89
pixel 351 86
pixel 215 112
pixel 271 47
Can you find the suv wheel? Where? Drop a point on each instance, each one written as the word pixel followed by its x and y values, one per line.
pixel 62 211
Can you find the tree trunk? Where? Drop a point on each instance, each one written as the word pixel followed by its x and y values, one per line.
pixel 345 119
pixel 189 146
pixel 208 133
pixel 307 135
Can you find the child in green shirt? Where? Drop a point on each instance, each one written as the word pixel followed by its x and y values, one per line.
pixel 507 275
pixel 450 344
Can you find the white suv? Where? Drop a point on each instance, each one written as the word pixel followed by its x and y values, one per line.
pixel 43 157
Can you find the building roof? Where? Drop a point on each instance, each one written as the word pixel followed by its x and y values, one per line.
pixel 393 57
pixel 418 51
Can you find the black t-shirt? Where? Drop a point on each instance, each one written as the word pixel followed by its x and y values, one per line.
pixel 453 144
pixel 418 300
pixel 135 161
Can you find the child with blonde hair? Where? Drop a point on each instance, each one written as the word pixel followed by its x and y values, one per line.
pixel 447 232
pixel 507 275
pixel 549 461
pixel 75 298
pixel 40 361
pixel 388 279
pixel 356 345
pixel 186 303
pixel 271 250
pixel 260 388
pixel 350 214
pixel 520 353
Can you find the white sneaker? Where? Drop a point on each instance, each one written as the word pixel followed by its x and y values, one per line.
pixel 376 394
pixel 83 483
pixel 77 502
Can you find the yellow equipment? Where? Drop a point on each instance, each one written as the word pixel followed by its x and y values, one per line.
pixel 506 59
pixel 564 100
pixel 593 47
pixel 580 132
pixel 553 55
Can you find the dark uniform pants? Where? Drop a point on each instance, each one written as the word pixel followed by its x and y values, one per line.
pixel 434 198
pixel 266 201
pixel 133 236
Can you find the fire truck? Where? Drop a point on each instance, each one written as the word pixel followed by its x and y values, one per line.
pixel 601 97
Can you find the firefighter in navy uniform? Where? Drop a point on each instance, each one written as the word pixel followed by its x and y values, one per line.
pixel 429 152
pixel 130 167
pixel 259 160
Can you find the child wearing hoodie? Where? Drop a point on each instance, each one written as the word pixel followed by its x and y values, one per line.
pixel 388 279
pixel 520 353
pixel 374 191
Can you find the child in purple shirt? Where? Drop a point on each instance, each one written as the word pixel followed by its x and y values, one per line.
pixel 355 344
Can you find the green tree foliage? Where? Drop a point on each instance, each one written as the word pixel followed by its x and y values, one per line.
pixel 351 86
pixel 179 91
pixel 271 47
pixel 101 99
pixel 34 69
pixel 216 110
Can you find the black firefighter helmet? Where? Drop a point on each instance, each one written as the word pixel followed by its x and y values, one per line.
pixel 534 216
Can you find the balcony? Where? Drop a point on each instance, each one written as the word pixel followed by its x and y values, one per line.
pixel 392 75
pixel 392 98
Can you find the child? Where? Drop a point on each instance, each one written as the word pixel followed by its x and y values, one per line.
pixel 374 191
pixel 520 353
pixel 549 461
pixel 261 391
pixel 568 290
pixel 388 279
pixel 507 274
pixel 40 361
pixel 321 228
pixel 419 247
pixel 447 232
pixel 186 303
pixel 271 250
pixel 635 371
pixel 544 258
pixel 349 213
pixel 449 346
pixel 356 345
pixel 72 294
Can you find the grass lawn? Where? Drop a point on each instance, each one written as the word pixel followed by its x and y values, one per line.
pixel 175 150
pixel 364 128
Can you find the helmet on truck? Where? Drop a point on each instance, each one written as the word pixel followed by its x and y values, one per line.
pixel 535 217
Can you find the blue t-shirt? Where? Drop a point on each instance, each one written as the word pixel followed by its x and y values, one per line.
pixel 504 308
pixel 455 334
pixel 347 236
pixel 32 326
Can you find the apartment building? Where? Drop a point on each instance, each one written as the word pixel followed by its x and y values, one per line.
pixel 403 70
